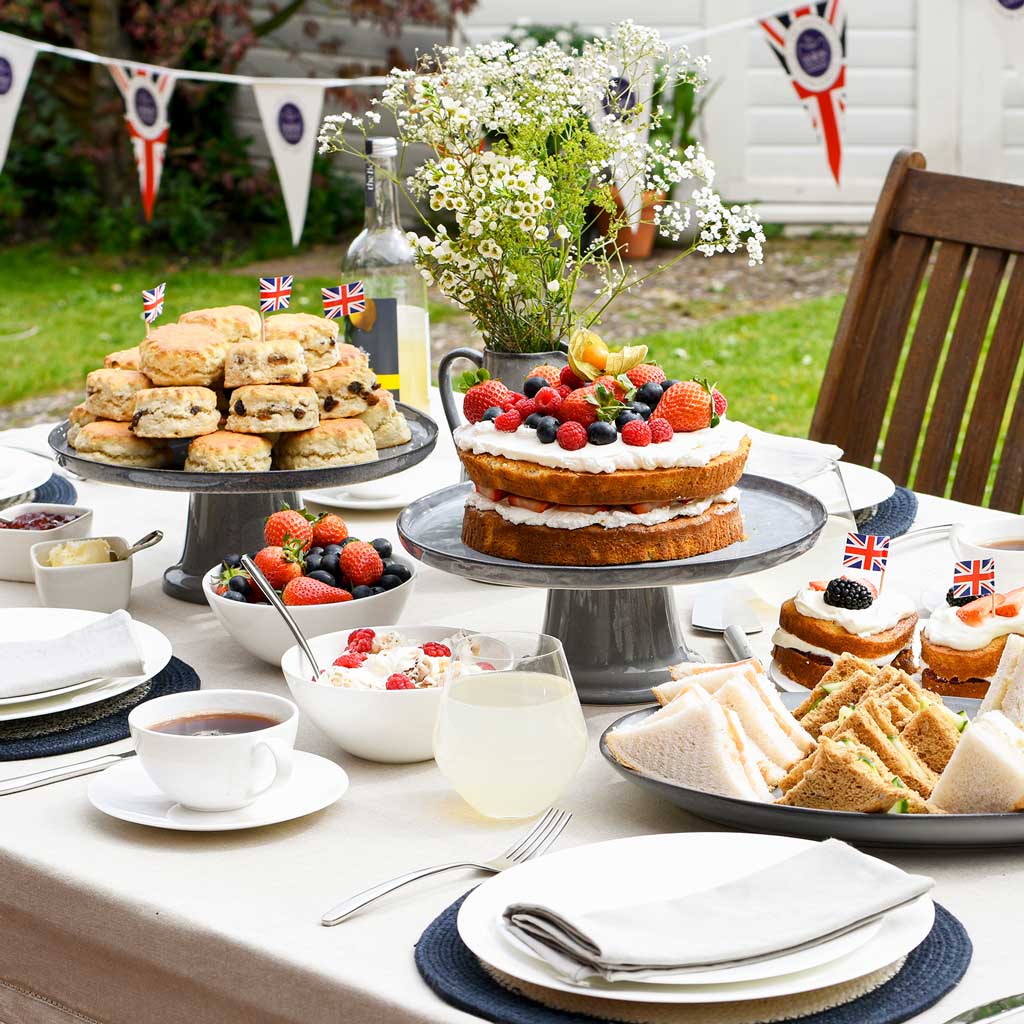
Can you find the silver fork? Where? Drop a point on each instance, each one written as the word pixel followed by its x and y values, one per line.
pixel 537 841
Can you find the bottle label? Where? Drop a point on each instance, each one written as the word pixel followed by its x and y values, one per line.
pixel 376 331
pixel 370 185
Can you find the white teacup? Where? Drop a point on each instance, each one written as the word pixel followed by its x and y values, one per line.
pixel 975 540
pixel 220 771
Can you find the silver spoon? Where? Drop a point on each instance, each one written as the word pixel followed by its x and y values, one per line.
pixel 270 594
pixel 154 537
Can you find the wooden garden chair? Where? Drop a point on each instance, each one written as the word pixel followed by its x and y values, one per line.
pixel 924 400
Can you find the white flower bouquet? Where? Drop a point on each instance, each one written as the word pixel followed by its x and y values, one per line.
pixel 526 150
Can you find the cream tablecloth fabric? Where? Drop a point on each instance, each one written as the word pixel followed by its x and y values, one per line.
pixel 106 921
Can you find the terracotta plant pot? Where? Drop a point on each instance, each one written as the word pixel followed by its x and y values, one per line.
pixel 639 244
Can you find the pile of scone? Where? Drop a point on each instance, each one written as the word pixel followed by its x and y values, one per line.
pixel 295 399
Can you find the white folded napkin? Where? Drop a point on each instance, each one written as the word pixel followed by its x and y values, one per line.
pixel 818 894
pixel 792 459
pixel 106 647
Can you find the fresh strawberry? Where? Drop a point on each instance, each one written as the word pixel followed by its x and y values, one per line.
pixel 637 434
pixel 1013 603
pixel 821 585
pixel 491 493
pixel 481 397
pixel 288 523
pixel 221 589
pixel 648 506
pixel 975 613
pixel 645 373
pixel 572 436
pixel 528 503
pixel 661 430
pixel 583 510
pixel 589 404
pixel 303 590
pixel 329 529
pixel 508 421
pixel 621 387
pixel 360 563
pixel 687 406
pixel 350 659
pixel 552 374
pixel 569 379
pixel 280 564
pixel 564 391
pixel 867 583
pixel 436 650
pixel 399 681
pixel 527 407
pixel 721 403
pixel 548 400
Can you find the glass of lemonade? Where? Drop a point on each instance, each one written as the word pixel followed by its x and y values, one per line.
pixel 510 733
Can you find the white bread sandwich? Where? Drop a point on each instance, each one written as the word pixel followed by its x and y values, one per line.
pixel 709 676
pixel 1006 693
pixel 986 772
pixel 759 723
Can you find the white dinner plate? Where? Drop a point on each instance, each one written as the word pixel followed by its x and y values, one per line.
pixel 392 491
pixel 625 870
pixel 21 472
pixel 866 488
pixel 126 792
pixel 44 623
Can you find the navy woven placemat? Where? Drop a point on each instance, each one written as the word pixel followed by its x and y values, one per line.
pixel 449 967
pixel 893 517
pixel 93 725
pixel 58 490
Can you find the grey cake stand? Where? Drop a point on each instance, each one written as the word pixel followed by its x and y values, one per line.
pixel 618 623
pixel 226 511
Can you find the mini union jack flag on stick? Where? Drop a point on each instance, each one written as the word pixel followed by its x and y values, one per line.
pixel 153 302
pixel 344 300
pixel 974 578
pixel 275 293
pixel 866 551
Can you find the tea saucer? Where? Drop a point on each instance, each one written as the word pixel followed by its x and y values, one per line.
pixel 126 792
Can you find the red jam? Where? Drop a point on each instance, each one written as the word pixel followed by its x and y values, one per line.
pixel 38 521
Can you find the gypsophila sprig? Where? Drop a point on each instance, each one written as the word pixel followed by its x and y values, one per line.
pixel 524 145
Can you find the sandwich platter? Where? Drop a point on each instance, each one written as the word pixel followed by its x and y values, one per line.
pixel 893 830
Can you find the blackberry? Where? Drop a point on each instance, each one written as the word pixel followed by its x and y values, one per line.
pixel 844 593
pixel 957 602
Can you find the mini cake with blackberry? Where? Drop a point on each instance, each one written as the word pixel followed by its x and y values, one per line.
pixel 827 619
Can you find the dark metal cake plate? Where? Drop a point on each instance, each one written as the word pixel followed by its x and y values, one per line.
pixel 227 510
pixel 618 623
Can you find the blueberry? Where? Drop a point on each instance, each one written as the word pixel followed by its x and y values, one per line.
pixel 389 582
pixel 624 417
pixel 239 584
pixel 382 546
pixel 323 576
pixel 533 419
pixel 376 590
pixel 232 561
pixel 332 549
pixel 233 595
pixel 532 385
pixel 313 562
pixel 329 563
pixel 547 429
pixel 642 408
pixel 361 591
pixel 666 384
pixel 316 549
pixel 397 569
pixel 650 394
pixel 348 540
pixel 601 433
pixel 492 413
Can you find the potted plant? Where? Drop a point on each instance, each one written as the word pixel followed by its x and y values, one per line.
pixel 518 257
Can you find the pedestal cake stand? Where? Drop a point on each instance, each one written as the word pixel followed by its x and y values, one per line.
pixel 226 511
pixel 618 623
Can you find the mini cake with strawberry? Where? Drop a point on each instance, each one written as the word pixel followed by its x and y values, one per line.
pixel 963 640
pixel 827 619
pixel 603 462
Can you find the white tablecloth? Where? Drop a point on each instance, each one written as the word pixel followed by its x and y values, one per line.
pixel 112 922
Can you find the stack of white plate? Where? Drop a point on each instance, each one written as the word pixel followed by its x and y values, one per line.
pixel 21 472
pixel 47 623
pixel 630 871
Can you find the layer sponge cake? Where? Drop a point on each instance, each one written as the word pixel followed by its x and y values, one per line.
pixel 186 353
pixel 175 412
pixel 333 443
pixel 114 443
pixel 228 452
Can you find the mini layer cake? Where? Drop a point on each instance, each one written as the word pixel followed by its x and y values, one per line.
pixel 961 647
pixel 825 621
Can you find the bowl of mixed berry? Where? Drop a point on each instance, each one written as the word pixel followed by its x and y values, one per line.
pixel 329 579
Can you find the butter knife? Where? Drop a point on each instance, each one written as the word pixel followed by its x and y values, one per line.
pixel 34 780
pixel 998 1009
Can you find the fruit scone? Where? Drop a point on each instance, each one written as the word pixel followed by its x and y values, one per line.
pixel 633 468
pixel 824 621
pixel 961 644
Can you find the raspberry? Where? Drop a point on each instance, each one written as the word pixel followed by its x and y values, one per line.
pixel 636 433
pixel 548 400
pixel 512 399
pixel 359 645
pixel 721 403
pixel 569 379
pixel 350 659
pixel 399 681
pixel 435 650
pixel 365 632
pixel 660 428
pixel 564 390
pixel 526 407
pixel 508 421
pixel 572 436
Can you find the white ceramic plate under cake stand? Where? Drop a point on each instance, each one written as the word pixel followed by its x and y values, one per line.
pixel 44 623
pixel 126 792
pixel 866 488
pixel 627 870
pixel 21 472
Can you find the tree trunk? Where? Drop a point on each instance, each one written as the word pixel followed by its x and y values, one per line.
pixel 105 107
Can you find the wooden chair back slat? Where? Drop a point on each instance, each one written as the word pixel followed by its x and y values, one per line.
pixel 944 425
pixel 1008 489
pixel 923 360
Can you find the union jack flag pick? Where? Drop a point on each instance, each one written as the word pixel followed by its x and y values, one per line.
pixel 343 300
pixel 275 293
pixel 866 551
pixel 974 578
pixel 153 302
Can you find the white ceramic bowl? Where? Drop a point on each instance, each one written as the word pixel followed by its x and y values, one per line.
pixel 392 726
pixel 104 587
pixel 262 632
pixel 16 545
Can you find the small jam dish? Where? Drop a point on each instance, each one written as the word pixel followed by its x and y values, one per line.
pixel 16 544
pixel 99 587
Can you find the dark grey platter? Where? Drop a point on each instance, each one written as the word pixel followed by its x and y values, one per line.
pixel 781 522
pixel 935 832
pixel 390 460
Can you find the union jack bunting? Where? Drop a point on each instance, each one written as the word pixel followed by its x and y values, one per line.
pixel 153 302
pixel 974 578
pixel 275 293
pixel 343 300
pixel 866 551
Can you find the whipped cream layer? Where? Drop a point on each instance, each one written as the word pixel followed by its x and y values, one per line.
pixel 693 449
pixel 561 519
pixel 886 610
pixel 782 638
pixel 946 629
